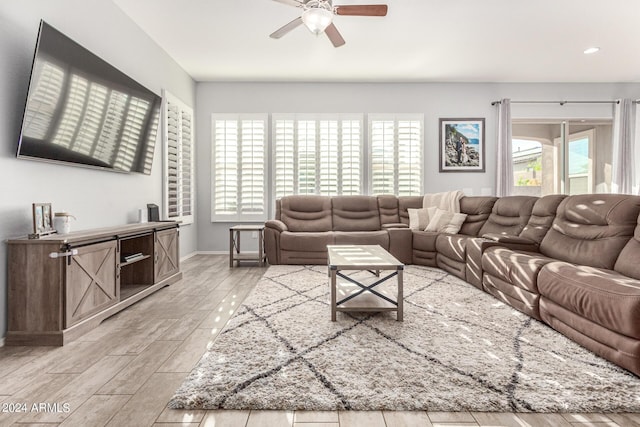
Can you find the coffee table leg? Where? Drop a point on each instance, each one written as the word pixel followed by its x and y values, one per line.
pixel 400 313
pixel 332 273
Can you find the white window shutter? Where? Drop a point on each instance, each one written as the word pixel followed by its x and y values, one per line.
pixel 284 153
pixel 317 154
pixel 396 154
pixel 239 167
pixel 178 160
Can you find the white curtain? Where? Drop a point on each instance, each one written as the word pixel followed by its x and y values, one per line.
pixel 504 165
pixel 623 159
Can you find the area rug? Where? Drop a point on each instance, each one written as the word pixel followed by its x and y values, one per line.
pixel 457 349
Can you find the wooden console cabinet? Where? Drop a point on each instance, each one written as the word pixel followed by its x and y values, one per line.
pixel 61 286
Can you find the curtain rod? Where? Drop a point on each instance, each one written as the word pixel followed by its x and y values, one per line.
pixel 561 102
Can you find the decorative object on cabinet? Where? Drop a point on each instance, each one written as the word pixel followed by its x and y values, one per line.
pixel 462 145
pixel 62 222
pixel 42 220
pixel 62 286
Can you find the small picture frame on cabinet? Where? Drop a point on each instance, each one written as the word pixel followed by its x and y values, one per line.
pixel 42 220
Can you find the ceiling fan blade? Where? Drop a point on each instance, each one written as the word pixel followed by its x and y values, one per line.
pixel 362 10
pixel 334 35
pixel 294 3
pixel 286 28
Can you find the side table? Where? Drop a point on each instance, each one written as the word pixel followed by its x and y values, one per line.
pixel 234 245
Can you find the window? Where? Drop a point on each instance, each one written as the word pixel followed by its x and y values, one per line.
pixel 178 165
pixel 579 163
pixel 569 157
pixel 317 155
pixel 239 167
pixel 395 144
pixel 527 167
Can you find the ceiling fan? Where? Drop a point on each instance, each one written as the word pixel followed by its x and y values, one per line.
pixel 317 16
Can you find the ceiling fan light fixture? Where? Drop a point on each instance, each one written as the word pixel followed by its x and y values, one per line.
pixel 317 19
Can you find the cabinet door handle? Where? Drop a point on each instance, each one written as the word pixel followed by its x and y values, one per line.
pixel 72 252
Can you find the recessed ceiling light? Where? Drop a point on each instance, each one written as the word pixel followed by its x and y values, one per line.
pixel 591 50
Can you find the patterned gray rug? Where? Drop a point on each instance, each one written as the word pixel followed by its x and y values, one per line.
pixel 457 349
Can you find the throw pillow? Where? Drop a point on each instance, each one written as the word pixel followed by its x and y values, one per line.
pixel 446 222
pixel 419 218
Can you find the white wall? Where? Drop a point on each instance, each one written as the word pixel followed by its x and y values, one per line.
pixel 434 100
pixel 97 198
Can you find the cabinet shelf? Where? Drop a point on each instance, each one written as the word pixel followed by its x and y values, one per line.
pixel 133 261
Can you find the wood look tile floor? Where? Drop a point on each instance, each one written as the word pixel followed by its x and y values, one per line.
pixel 124 372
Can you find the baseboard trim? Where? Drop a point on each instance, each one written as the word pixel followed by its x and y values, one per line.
pixel 212 253
pixel 2 342
pixel 186 257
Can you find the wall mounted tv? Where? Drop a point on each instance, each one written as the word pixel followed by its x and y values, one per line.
pixel 82 111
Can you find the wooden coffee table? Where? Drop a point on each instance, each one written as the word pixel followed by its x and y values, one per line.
pixel 353 293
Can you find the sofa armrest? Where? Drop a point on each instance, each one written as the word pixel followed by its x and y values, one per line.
pixel 394 225
pixel 400 244
pixel 276 225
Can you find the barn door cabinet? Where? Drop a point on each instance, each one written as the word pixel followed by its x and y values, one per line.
pixel 62 286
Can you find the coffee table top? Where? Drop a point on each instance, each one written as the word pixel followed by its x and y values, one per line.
pixel 365 257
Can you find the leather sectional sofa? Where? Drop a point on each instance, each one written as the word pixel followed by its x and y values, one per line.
pixel 572 262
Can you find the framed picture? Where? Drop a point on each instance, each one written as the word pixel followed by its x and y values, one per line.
pixel 462 145
pixel 42 219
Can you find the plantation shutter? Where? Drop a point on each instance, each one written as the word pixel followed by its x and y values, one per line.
pixel 409 158
pixel 252 172
pixel 284 165
pixel 396 155
pixel 317 154
pixel 239 167
pixel 351 159
pixel 306 143
pixel 179 160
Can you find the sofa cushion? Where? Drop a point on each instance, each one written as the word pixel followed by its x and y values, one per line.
pixel 355 213
pixel 362 238
pixel 306 213
pixel 592 229
pixel 478 210
pixel 388 208
pixel 406 202
pixel 306 242
pixel 445 222
pixel 419 218
pixel 509 215
pixel 520 269
pixel 425 241
pixel 628 262
pixel 542 216
pixel 453 246
pixel 603 296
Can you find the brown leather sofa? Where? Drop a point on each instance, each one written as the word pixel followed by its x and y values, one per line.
pixel 305 225
pixel 584 280
pixel 572 262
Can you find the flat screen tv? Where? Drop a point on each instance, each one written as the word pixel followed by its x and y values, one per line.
pixel 82 111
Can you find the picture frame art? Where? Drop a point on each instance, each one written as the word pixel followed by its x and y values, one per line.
pixel 42 219
pixel 462 145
